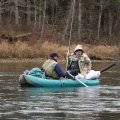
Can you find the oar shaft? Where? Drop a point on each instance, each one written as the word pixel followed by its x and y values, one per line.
pixel 108 67
pixel 82 82
pixel 78 80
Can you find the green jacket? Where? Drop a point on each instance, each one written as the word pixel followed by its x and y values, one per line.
pixel 84 63
pixel 49 68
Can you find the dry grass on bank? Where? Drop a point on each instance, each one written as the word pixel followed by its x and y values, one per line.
pixel 41 50
pixel 102 51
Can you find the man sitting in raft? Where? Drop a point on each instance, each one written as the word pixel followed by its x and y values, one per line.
pixel 79 65
pixel 52 69
pixel 78 62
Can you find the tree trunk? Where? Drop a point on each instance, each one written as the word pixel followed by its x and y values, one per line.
pixel 28 13
pixel 35 16
pixel 79 21
pixel 16 12
pixel 71 13
pixel 67 24
pixel 0 11
pixel 39 15
pixel 110 23
pixel 44 15
pixel 99 21
pixel 71 25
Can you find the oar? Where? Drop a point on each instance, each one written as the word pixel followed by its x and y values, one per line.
pixel 108 67
pixel 78 80
pixel 81 82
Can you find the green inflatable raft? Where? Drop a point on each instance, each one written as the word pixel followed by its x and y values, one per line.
pixel 30 80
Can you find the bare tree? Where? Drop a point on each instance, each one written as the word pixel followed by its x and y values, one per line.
pixel 68 19
pixel 0 11
pixel 110 23
pixel 28 13
pixel 100 14
pixel 71 25
pixel 35 13
pixel 94 17
pixel 79 20
pixel 16 12
pixel 43 22
pixel 39 13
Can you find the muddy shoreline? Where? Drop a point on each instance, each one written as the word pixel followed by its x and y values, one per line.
pixel 15 60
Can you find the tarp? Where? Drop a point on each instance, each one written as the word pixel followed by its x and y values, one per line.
pixel 37 72
pixel 91 75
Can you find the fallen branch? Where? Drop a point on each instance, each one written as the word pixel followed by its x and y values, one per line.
pixel 10 38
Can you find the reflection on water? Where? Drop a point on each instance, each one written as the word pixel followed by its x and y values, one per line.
pixel 93 103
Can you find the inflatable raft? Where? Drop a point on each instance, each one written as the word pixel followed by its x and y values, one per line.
pixel 36 77
pixel 29 80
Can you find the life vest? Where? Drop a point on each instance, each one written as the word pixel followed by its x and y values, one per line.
pixel 49 68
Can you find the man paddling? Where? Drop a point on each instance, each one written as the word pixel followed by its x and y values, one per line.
pixel 78 62
pixel 53 69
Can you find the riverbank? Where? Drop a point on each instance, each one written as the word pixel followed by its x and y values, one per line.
pixel 35 51
pixel 42 59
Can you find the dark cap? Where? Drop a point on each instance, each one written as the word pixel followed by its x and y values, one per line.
pixel 52 55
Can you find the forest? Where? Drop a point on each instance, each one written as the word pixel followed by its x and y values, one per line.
pixel 89 21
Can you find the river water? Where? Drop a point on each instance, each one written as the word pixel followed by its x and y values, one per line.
pixel 101 102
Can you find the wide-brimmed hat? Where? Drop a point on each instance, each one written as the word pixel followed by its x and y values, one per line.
pixel 77 48
pixel 54 54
